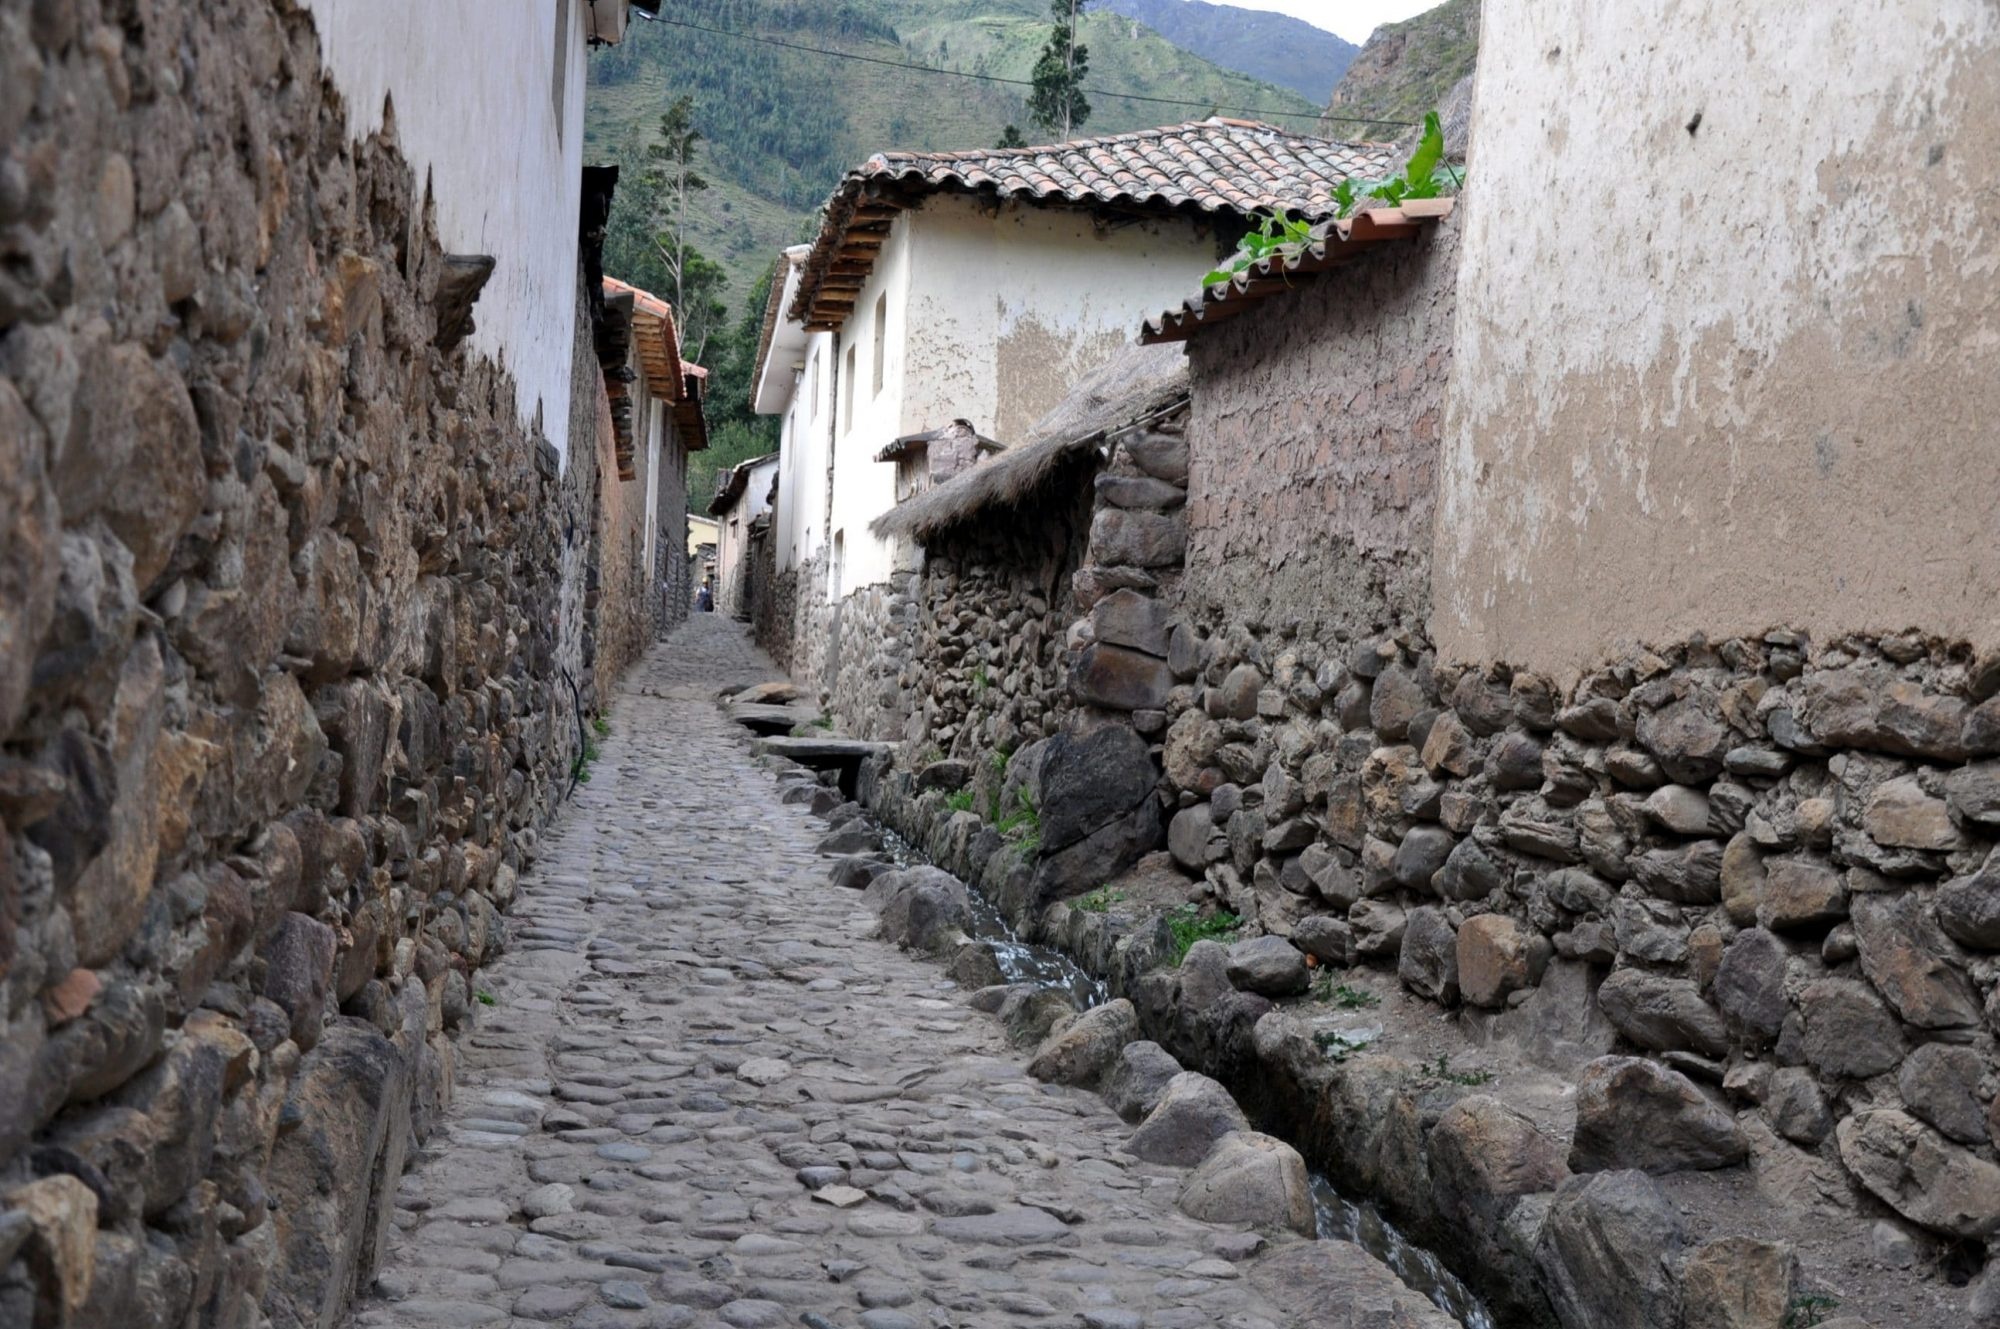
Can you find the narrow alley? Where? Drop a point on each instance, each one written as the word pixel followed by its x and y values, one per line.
pixel 692 1031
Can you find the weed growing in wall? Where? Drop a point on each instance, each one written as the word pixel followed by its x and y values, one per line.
pixel 959 801
pixel 1100 900
pixel 1808 1309
pixel 1188 927
pixel 1346 997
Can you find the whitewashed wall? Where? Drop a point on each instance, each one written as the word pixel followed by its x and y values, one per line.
pixel 474 84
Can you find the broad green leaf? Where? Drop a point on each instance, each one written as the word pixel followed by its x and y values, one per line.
pixel 1430 151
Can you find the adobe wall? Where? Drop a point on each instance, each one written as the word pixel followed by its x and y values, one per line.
pixel 1665 424
pixel 288 597
pixel 1314 445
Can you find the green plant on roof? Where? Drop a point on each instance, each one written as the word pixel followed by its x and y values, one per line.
pixel 1274 235
pixel 1187 926
pixel 1426 175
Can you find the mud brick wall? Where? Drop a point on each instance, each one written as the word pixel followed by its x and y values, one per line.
pixel 286 592
pixel 1316 422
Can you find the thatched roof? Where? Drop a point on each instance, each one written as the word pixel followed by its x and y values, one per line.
pixel 1136 384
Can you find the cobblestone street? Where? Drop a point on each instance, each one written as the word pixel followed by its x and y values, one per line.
pixel 692 1031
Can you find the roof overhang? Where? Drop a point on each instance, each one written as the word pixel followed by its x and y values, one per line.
pixel 1335 244
pixel 605 21
pixel 783 342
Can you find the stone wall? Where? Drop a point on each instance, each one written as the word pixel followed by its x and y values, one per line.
pixel 868 635
pixel 1316 421
pixel 1765 861
pixel 287 597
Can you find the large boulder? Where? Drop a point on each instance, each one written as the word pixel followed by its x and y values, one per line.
pixel 1848 1031
pixel 1750 983
pixel 1080 1052
pixel 1657 1013
pixel 1251 1179
pixel 1091 781
pixel 1635 1113
pixel 1341 1286
pixel 334 1171
pixel 1739 1283
pixel 1903 952
pixel 1189 1118
pixel 923 908
pixel 1497 957
pixel 1138 1078
pixel 1607 1251
pixel 1921 1175
pixel 1428 963
pixel 1269 966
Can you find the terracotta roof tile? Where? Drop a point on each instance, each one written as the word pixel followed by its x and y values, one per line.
pixel 1206 166
pixel 1333 244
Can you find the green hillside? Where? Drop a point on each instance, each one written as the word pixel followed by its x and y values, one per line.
pixel 783 125
pixel 1406 69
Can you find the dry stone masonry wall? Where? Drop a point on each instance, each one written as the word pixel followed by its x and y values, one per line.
pixel 288 594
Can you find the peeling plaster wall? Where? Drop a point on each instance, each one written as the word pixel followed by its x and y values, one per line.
pixel 799 525
pixel 1739 377
pixel 456 71
pixel 992 316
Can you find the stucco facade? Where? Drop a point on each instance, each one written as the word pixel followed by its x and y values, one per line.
pixel 455 71
pixel 1747 377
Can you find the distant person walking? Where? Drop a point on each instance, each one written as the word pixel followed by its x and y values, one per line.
pixel 704 599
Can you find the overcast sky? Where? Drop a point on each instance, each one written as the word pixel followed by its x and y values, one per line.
pixel 1352 19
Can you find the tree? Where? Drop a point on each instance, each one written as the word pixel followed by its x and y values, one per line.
pixel 676 183
pixel 1056 102
pixel 1011 138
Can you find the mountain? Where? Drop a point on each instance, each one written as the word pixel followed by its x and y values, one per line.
pixel 1277 48
pixel 783 124
pixel 1404 70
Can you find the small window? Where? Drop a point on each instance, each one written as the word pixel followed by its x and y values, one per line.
pixel 847 407
pixel 881 337
pixel 559 79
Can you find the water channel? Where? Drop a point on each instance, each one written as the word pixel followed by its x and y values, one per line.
pixel 1338 1218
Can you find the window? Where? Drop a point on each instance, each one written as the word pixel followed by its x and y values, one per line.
pixel 559 79
pixel 847 405
pixel 881 337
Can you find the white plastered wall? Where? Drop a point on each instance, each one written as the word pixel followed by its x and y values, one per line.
pixel 473 84
pixel 992 315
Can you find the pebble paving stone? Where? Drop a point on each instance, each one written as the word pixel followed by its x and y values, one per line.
pixel 704 1096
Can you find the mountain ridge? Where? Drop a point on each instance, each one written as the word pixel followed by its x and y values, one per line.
pixel 1276 48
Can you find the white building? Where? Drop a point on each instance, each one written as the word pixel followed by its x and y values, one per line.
pixel 981 286
pixel 742 502
pixel 499 134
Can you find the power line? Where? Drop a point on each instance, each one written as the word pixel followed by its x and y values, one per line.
pixel 909 68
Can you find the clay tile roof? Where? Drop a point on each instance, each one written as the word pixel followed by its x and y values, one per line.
pixel 1203 167
pixel 658 338
pixel 1333 244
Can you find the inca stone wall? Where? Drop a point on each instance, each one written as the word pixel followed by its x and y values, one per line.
pixel 286 593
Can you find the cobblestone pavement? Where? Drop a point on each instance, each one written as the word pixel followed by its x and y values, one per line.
pixel 692 1029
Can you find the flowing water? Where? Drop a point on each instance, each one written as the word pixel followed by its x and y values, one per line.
pixel 1338 1218
pixel 1341 1219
